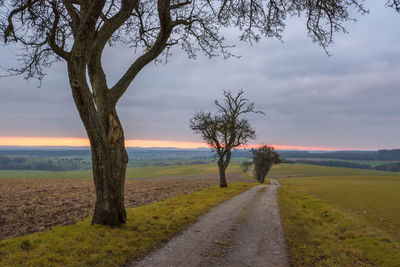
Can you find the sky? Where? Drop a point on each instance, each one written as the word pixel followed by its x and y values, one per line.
pixel 349 100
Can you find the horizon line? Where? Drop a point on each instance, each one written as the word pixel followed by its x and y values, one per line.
pixel 143 143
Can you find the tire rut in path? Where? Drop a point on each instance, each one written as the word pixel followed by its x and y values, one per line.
pixel 243 231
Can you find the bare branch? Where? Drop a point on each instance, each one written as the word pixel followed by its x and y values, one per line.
pixel 160 43
pixel 152 29
pixel 227 129
pixel 179 5
pixel 395 4
pixel 51 36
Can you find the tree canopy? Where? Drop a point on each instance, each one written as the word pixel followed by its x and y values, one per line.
pixel 227 129
pixel 264 158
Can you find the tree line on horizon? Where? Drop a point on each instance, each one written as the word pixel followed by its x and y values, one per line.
pixel 381 155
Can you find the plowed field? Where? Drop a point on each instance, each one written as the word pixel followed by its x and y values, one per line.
pixel 31 205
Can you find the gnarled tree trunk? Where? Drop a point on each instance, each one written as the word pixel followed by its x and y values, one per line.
pixel 96 104
pixel 109 157
pixel 109 169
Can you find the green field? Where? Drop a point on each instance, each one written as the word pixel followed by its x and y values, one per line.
pixel 305 170
pixel 371 199
pixel 132 172
pixel 372 163
pixel 339 216
pixel 332 216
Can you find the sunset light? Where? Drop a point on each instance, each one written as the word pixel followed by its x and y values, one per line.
pixel 43 141
pixel 66 141
pixel 76 142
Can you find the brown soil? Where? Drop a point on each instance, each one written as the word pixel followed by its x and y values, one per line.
pixel 31 205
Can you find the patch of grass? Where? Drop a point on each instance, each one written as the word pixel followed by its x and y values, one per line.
pixel 372 163
pixel 132 172
pixel 373 200
pixel 248 176
pixel 178 170
pixel 317 234
pixel 83 245
pixel 307 170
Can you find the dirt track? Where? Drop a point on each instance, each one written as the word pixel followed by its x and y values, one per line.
pixel 31 205
pixel 244 231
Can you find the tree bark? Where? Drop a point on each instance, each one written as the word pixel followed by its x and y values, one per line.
pixel 109 169
pixel 109 157
pixel 222 178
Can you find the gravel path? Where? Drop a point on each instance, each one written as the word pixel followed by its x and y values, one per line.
pixel 244 231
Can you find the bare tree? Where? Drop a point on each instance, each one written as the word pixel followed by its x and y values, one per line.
pixel 264 158
pixel 246 165
pixel 77 31
pixel 225 130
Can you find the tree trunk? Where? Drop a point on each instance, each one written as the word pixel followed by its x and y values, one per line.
pixel 109 157
pixel 222 178
pixel 109 168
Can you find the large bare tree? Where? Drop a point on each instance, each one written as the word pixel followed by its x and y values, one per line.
pixel 77 31
pixel 227 129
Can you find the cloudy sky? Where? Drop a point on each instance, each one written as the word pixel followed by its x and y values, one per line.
pixel 350 100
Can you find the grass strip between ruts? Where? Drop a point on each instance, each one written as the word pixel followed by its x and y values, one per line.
pixel 317 234
pixel 84 245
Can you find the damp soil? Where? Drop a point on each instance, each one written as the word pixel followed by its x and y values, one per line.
pixel 32 205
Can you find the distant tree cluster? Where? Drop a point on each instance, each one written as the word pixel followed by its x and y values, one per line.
pixel 43 164
pixel 392 167
pixel 246 165
pixel 264 158
pixel 393 154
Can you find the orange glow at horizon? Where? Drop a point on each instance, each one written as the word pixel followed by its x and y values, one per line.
pixel 163 143
pixel 43 141
pixel 289 147
pixel 66 141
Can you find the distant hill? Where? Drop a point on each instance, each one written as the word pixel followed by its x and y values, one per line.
pixel 178 153
pixel 384 155
pixel 74 158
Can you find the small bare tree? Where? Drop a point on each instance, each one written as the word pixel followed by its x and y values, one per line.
pixel 264 158
pixel 227 129
pixel 246 165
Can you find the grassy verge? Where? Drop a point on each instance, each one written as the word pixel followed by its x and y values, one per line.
pixel 317 234
pixel 84 245
pixel 248 176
